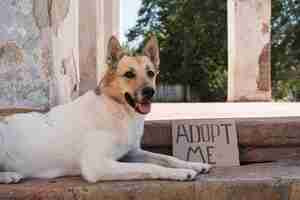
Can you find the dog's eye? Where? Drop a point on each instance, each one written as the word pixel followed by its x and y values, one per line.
pixel 151 74
pixel 129 75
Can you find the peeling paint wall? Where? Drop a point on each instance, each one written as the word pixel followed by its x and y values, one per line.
pixel 23 81
pixel 65 42
pixel 38 53
pixel 50 12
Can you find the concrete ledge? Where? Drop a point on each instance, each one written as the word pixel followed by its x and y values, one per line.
pixel 5 111
pixel 264 132
pixel 171 111
pixel 276 181
pixel 258 124
pixel 260 140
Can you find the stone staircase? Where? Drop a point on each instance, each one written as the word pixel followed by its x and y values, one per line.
pixel 266 131
pixel 260 139
pixel 272 181
pixel 269 141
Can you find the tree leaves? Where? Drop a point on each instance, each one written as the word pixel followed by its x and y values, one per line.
pixel 285 48
pixel 193 42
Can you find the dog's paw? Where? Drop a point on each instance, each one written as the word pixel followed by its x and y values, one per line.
pixel 10 177
pixel 184 175
pixel 200 167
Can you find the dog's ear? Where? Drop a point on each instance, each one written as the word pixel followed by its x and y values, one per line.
pixel 152 51
pixel 114 52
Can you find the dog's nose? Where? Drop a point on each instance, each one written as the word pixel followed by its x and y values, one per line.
pixel 148 92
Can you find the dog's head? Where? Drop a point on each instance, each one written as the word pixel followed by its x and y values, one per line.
pixel 130 80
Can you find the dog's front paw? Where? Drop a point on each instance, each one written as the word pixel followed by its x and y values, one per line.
pixel 10 177
pixel 200 167
pixel 183 174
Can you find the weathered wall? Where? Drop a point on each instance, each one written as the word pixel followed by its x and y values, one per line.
pixel 108 21
pixel 99 19
pixel 249 73
pixel 87 45
pixel 38 53
pixel 65 40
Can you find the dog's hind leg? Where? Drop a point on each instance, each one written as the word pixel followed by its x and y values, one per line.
pixel 10 177
pixel 6 177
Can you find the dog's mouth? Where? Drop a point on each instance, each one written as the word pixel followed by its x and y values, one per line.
pixel 143 107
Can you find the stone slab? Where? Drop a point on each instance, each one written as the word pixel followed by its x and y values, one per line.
pixel 249 155
pixel 173 111
pixel 260 140
pixel 9 111
pixel 252 155
pixel 264 132
pixel 276 181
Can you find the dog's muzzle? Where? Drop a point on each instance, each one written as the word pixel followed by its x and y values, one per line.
pixel 143 106
pixel 148 92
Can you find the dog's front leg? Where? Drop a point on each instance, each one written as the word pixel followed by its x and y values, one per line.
pixel 140 155
pixel 110 170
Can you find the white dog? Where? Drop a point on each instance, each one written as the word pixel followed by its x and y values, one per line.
pixel 94 135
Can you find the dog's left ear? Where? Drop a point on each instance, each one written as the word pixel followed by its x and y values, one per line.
pixel 152 51
pixel 114 52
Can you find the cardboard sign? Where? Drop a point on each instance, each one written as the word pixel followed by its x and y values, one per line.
pixel 209 141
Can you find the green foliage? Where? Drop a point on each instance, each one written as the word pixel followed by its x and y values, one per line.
pixel 193 40
pixel 128 49
pixel 286 48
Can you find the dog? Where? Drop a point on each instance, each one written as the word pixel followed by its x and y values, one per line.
pixel 98 135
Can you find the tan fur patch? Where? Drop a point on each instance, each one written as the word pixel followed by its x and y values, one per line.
pixel 115 84
pixel 129 74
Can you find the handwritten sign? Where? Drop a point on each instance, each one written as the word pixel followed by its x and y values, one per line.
pixel 209 141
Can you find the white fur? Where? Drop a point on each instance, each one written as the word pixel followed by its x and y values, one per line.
pixel 86 137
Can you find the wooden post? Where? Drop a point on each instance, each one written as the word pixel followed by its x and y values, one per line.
pixel 88 45
pixel 108 23
pixel 99 19
pixel 249 73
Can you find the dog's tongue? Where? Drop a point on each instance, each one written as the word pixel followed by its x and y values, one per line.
pixel 144 107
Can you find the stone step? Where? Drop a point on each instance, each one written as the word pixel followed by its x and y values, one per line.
pixel 260 140
pixel 266 131
pixel 5 111
pixel 271 181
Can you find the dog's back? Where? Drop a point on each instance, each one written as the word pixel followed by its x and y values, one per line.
pixel 31 132
pixel 23 137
